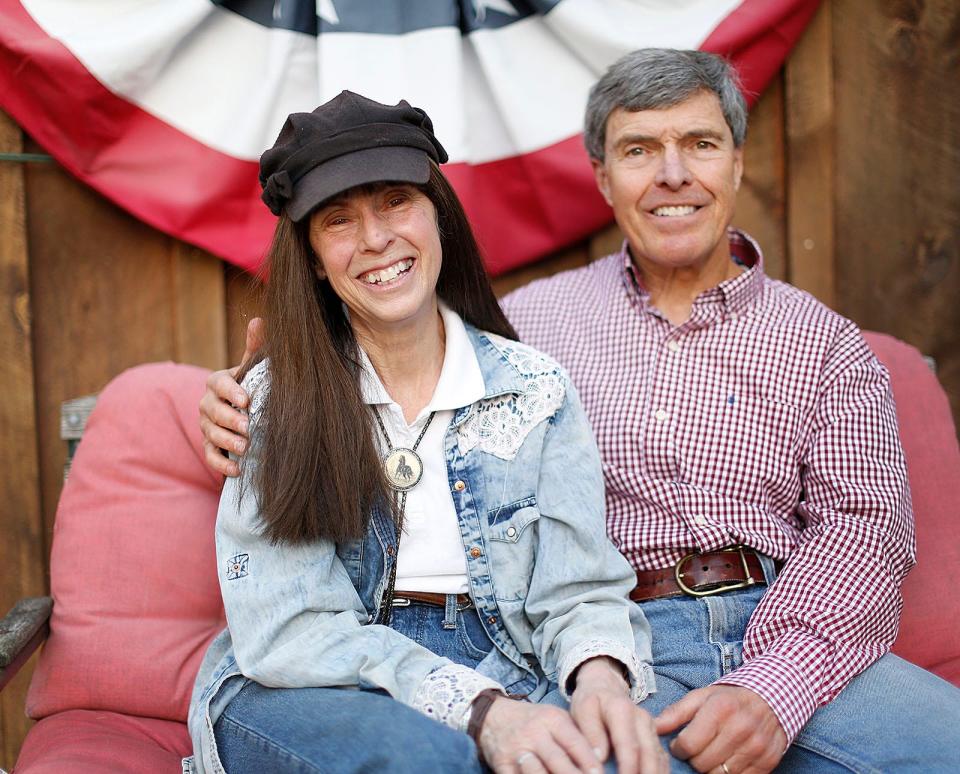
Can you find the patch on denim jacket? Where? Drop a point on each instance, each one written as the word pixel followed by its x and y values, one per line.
pixel 237 566
pixel 501 424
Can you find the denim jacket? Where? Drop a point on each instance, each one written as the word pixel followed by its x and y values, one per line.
pixel 550 588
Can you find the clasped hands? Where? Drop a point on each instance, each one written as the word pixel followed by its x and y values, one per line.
pixel 725 730
pixel 523 738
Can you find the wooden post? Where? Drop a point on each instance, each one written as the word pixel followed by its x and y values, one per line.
pixel 22 549
pixel 810 156
pixel 199 316
pixel 761 198
pixel 244 301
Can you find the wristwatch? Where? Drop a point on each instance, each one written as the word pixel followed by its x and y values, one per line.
pixel 472 720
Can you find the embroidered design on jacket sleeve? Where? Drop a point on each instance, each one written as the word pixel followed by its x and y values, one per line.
pixel 447 693
pixel 499 425
pixel 237 566
pixel 639 674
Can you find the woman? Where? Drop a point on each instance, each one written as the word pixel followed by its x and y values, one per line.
pixel 417 531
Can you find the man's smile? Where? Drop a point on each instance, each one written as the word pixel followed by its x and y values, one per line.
pixel 674 210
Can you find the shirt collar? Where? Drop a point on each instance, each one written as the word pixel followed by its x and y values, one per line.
pixel 736 294
pixel 742 291
pixel 460 382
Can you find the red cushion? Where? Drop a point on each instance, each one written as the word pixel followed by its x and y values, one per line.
pixel 930 626
pixel 92 742
pixel 133 575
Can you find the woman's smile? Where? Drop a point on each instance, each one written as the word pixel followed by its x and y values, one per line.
pixel 385 277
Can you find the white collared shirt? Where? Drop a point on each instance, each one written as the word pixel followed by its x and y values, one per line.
pixel 430 556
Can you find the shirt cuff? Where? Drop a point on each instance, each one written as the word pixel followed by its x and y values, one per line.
pixel 781 685
pixel 639 674
pixel 447 693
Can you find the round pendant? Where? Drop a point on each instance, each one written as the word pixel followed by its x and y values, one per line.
pixel 403 468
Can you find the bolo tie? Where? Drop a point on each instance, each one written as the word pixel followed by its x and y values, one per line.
pixel 403 470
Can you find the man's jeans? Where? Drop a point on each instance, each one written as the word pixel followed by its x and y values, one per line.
pixel 891 719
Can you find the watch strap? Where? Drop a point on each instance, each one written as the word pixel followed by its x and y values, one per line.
pixel 479 709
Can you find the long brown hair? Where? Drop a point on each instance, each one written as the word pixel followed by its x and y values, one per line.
pixel 318 472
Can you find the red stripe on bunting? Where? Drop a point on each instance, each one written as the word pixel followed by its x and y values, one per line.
pixel 521 207
pixel 146 166
pixel 758 37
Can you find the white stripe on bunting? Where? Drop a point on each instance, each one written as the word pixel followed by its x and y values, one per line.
pixel 229 82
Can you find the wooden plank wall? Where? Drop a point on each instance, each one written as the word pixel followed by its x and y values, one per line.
pixel 897 181
pixel 23 547
pixel 850 186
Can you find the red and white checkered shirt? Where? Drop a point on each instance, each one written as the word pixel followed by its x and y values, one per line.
pixel 763 420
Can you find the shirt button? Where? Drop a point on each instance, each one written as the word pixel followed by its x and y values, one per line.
pixel 391 550
pixel 459 486
pixel 660 415
pixel 700 520
pixel 492 619
pixel 475 552
pixel 673 346
pixel 511 531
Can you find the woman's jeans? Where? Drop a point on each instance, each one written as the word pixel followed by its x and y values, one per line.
pixel 336 730
pixel 893 718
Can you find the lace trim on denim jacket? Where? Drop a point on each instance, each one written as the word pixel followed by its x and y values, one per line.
pixel 499 425
pixel 639 674
pixel 447 693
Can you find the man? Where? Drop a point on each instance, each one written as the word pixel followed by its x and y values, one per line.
pixel 754 475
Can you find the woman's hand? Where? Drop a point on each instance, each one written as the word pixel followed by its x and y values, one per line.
pixel 603 711
pixel 225 428
pixel 522 738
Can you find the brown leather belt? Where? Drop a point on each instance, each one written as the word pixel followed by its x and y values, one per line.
pixel 701 575
pixel 404 598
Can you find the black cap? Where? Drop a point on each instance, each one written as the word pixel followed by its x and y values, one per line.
pixel 348 141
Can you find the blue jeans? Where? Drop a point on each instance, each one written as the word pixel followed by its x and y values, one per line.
pixel 341 731
pixel 893 718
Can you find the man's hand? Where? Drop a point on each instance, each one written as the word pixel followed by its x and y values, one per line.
pixel 522 738
pixel 726 724
pixel 225 428
pixel 603 711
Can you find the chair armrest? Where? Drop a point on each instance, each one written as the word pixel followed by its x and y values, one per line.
pixel 21 632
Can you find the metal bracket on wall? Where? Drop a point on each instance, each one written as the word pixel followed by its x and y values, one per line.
pixel 74 414
pixel 26 158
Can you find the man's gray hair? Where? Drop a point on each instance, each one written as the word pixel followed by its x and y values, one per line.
pixel 656 78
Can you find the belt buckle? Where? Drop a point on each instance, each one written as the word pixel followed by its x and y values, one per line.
pixel 399 602
pixel 678 575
